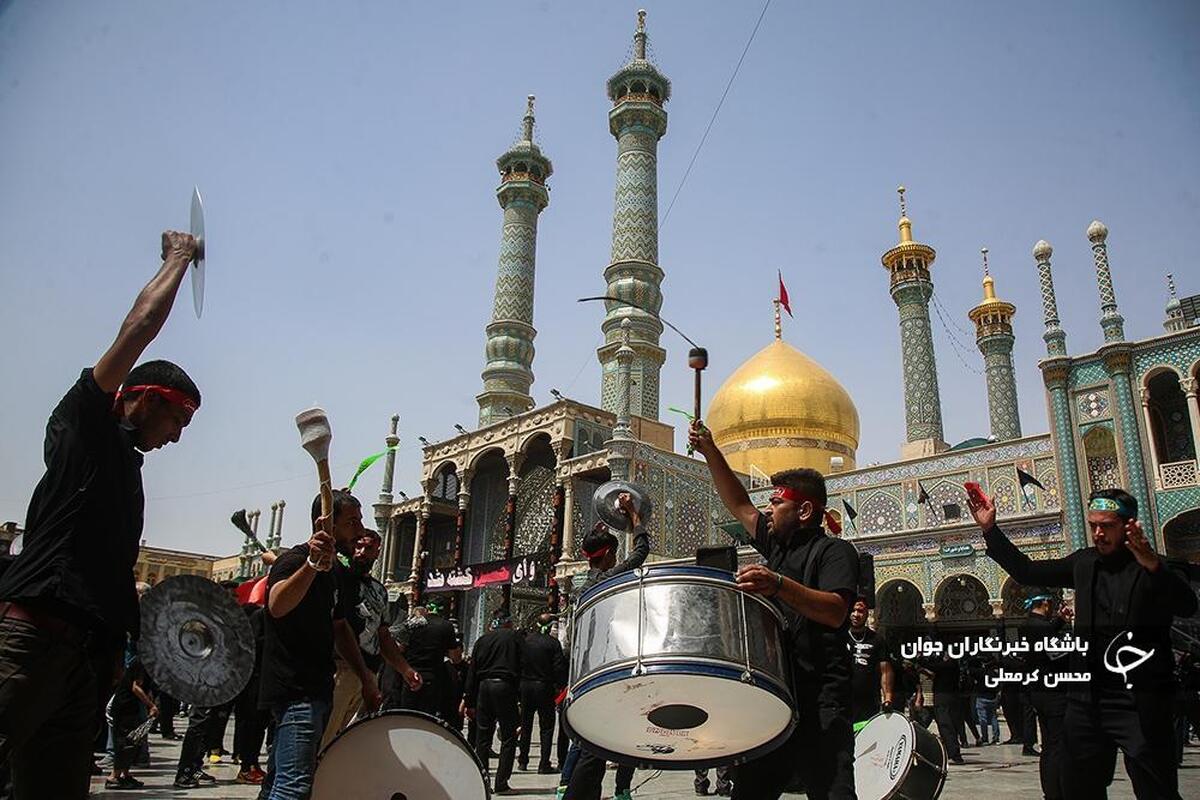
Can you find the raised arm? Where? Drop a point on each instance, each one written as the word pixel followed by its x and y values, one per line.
pixel 284 595
pixel 731 491
pixel 149 313
pixel 1054 572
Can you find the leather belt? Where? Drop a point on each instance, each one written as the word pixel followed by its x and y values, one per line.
pixel 45 622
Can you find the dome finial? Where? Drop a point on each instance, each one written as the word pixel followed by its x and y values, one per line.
pixel 984 252
pixel 1171 285
pixel 778 322
pixel 639 38
pixel 528 131
pixel 905 224
pixel 989 285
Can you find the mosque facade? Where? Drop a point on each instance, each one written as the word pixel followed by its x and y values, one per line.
pixel 520 485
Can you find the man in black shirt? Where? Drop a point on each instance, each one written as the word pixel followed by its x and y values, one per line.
pixel 306 620
pixel 1125 600
pixel 946 675
pixel 491 694
pixel 1042 625
pixel 543 674
pixel 426 640
pixel 600 546
pixel 814 578
pixel 872 668
pixel 67 601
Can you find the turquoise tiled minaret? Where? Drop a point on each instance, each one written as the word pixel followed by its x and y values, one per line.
pixel 1056 370
pixel 994 336
pixel 638 120
pixel 1110 319
pixel 1175 320
pixel 912 287
pixel 522 194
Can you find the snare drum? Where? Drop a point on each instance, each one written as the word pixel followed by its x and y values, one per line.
pixel 676 668
pixel 894 757
pixel 399 755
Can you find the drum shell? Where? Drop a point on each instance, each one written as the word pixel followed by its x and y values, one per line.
pixel 692 624
pixel 920 774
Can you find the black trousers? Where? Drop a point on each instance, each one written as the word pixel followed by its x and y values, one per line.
pixel 968 715
pixel 195 741
pixel 1139 724
pixel 1031 718
pixel 820 751
pixel 724 785
pixel 217 726
pixel 1051 709
pixel 946 713
pixel 588 777
pixel 497 704
pixel 427 699
pixel 537 698
pixel 1014 713
pixel 249 726
pixel 168 707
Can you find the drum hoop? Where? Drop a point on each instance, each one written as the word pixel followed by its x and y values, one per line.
pixel 652 763
pixel 720 667
pixel 914 756
pixel 594 595
pixel 406 712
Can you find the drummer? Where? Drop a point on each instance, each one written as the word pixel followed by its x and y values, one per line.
pixel 583 780
pixel 68 601
pixel 814 577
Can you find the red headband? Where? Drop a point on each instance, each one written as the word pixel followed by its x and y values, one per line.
pixel 788 493
pixel 165 392
pixel 598 553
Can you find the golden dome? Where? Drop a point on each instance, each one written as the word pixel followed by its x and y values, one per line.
pixel 781 410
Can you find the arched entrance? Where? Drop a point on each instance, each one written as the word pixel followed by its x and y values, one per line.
pixel 1181 534
pixel 1100 449
pixel 899 607
pixel 962 601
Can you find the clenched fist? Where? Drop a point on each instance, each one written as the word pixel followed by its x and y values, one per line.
pixel 179 247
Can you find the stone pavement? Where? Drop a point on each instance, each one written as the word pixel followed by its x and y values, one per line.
pixel 998 771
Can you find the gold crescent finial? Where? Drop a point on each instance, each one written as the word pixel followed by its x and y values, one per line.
pixel 903 209
pixel 641 20
pixel 984 251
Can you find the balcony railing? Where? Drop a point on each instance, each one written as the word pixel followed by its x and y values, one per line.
pixel 1178 475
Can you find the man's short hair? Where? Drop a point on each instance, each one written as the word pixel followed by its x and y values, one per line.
pixel 597 539
pixel 807 482
pixel 341 499
pixel 1120 496
pixel 372 533
pixel 162 373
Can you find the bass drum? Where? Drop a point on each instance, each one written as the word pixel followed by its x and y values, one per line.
pixel 895 757
pixel 399 755
pixel 675 668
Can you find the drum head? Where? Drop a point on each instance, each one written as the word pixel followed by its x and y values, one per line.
pixel 676 721
pixel 399 755
pixel 883 754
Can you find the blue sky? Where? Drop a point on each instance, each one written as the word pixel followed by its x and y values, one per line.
pixel 346 156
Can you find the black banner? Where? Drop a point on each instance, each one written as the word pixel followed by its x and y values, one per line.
pixel 530 570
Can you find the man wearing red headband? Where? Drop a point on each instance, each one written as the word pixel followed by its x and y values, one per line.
pixel 814 578
pixel 68 602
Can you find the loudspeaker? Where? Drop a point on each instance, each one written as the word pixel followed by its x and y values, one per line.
pixel 866 578
pixel 718 556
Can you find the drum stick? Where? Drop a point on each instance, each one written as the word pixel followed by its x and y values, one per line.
pixel 698 361
pixel 315 437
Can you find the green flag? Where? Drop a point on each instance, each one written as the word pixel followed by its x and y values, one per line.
pixel 366 463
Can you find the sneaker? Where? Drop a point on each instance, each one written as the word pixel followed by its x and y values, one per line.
pixel 258 775
pixel 546 769
pixel 957 760
pixel 204 777
pixel 560 793
pixel 623 796
pixel 132 782
pixel 250 777
pixel 505 789
pixel 1028 750
pixel 701 789
pixel 523 766
pixel 186 781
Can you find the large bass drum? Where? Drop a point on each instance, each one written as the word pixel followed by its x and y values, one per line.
pixel 399 755
pixel 675 668
pixel 895 757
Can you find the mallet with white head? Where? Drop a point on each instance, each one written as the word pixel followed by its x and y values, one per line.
pixel 315 437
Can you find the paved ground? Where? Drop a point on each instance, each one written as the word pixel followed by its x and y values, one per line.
pixel 999 771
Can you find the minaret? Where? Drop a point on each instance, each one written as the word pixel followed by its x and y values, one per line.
pixel 1175 320
pixel 1110 319
pixel 994 335
pixel 638 91
pixel 912 287
pixel 522 194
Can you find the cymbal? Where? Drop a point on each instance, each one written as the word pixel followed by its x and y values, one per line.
pixel 196 641
pixel 604 501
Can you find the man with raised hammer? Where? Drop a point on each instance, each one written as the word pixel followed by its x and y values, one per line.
pixel 68 602
pixel 1121 690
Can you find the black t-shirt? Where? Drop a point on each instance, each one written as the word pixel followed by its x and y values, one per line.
pixel 866 656
pixel 820 654
pixel 125 703
pixel 426 641
pixel 542 659
pixel 496 655
pixel 297 659
pixel 84 522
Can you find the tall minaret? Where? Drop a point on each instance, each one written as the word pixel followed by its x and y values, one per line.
pixel 994 335
pixel 1111 320
pixel 912 287
pixel 638 120
pixel 522 194
pixel 1175 320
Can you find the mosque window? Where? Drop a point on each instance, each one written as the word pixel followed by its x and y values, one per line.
pixel 638 88
pixel 521 167
pixel 654 91
pixel 899 603
pixel 536 171
pixel 963 597
pixel 1171 427
pixel 622 90
pixel 1100 450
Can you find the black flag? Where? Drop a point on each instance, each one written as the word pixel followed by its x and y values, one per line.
pixel 924 495
pixel 850 512
pixel 1026 479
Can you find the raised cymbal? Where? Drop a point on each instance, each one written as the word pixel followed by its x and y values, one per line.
pixel 196 642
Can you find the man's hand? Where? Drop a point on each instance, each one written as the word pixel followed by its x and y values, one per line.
pixel 178 247
pixel 758 579
pixel 465 711
pixel 1066 614
pixel 1139 545
pixel 700 438
pixel 153 711
pixel 372 697
pixel 413 680
pixel 320 549
pixel 984 511
pixel 625 503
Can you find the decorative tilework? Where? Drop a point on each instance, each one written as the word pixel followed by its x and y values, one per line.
pixel 1055 338
pixel 1181 351
pixel 922 402
pixel 535 511
pixel 1030 447
pixel 879 513
pixel 1110 319
pixel 1087 373
pixel 1046 472
pixel 1068 466
pixel 1093 404
pixel 1004 490
pixel 943 493
pixel 1127 425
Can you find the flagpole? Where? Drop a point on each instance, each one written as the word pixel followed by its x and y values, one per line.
pixel 778 321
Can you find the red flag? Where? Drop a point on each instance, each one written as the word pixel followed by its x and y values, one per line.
pixel 783 296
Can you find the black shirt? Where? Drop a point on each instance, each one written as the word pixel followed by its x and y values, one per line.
pixel 84 522
pixel 820 654
pixel 1038 628
pixel 542 659
pixel 298 647
pixel 946 679
pixel 636 557
pixel 496 655
pixel 866 656
pixel 125 703
pixel 426 641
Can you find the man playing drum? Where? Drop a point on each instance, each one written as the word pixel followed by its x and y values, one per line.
pixel 814 578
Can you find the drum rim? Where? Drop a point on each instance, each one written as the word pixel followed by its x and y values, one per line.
pixel 667 666
pixel 912 756
pixel 407 712
pixel 706 763
pixel 710 575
